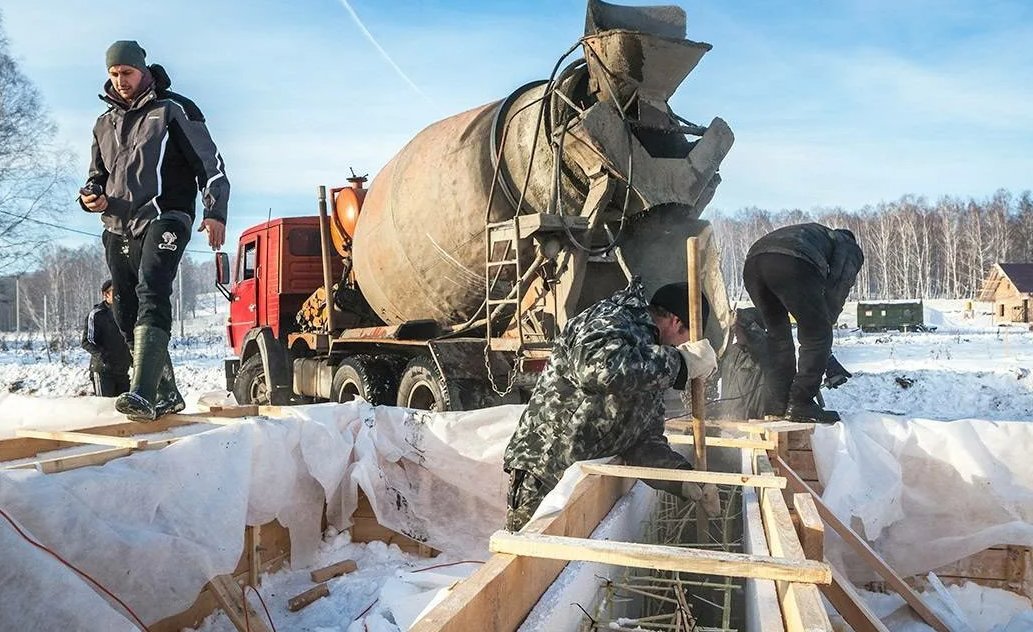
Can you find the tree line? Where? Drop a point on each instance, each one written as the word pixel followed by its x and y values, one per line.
pixel 55 298
pixel 913 248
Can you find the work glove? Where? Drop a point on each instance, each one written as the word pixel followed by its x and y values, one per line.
pixel 835 374
pixel 699 357
pixel 706 495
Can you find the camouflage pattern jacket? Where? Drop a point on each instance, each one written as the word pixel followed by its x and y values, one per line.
pixel 602 394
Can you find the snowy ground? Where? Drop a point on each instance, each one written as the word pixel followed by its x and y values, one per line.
pixel 966 369
pixel 27 368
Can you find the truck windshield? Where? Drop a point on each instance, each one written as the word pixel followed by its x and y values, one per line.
pixel 304 242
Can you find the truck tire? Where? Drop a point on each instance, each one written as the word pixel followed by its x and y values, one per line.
pixel 250 387
pixel 423 387
pixel 366 377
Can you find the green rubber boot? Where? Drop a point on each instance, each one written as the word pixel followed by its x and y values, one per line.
pixel 151 347
pixel 168 399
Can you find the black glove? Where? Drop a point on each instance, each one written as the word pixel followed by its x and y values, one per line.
pixel 836 374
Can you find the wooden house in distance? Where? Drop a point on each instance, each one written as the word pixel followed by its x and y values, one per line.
pixel 1009 286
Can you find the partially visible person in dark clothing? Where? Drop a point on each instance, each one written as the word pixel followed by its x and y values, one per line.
pixel 806 270
pixel 110 359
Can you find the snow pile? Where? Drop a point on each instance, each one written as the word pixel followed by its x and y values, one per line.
pixel 155 526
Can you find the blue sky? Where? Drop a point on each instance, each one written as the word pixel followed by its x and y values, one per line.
pixel 832 103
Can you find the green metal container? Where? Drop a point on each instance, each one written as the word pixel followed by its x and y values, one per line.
pixel 896 315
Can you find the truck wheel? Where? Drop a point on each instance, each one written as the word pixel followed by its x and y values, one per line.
pixel 365 377
pixel 423 387
pixel 250 386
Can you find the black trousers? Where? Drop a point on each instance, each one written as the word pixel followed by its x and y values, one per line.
pixel 781 285
pixel 109 384
pixel 142 271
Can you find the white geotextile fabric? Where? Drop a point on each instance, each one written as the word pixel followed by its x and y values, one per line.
pixel 155 526
pixel 926 493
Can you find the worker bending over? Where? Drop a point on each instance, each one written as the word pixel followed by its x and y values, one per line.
pixel 806 270
pixel 602 394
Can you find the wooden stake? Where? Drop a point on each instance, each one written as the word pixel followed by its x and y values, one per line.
pixel 334 570
pixel 812 530
pixel 866 552
pixel 304 599
pixel 697 385
pixel 252 544
pixel 658 557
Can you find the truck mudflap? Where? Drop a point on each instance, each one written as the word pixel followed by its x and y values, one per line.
pixel 274 362
pixel 462 363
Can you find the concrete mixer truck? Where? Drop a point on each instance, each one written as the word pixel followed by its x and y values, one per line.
pixel 443 284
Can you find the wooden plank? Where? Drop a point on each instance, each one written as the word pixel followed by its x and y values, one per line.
pixel 365 528
pixel 21 448
pixel 866 552
pixel 691 476
pixel 298 602
pixel 499 595
pixel 722 442
pixel 63 463
pixel 849 604
pixel 811 528
pixel 762 598
pixel 87 459
pixel 697 386
pixel 802 608
pixel 343 567
pixel 802 462
pixel 82 437
pixel 230 596
pixel 658 557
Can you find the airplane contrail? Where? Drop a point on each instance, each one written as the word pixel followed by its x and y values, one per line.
pixel 383 53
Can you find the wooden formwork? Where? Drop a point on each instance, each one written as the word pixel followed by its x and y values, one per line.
pixel 1005 566
pixel 266 547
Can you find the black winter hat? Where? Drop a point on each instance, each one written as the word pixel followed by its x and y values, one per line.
pixel 126 53
pixel 674 297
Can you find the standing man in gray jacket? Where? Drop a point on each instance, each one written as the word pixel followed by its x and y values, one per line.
pixel 151 155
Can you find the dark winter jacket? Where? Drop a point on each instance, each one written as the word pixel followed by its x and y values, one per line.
pixel 152 157
pixel 834 253
pixel 602 394
pixel 105 343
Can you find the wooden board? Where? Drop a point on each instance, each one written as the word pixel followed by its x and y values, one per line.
pixel 82 437
pixel 863 549
pixel 802 608
pixel 499 595
pixel 762 599
pixel 850 605
pixel 658 557
pixel 691 476
pixel 240 612
pixel 24 447
pixel 721 442
pixel 810 527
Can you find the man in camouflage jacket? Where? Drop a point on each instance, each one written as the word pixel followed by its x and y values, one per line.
pixel 602 394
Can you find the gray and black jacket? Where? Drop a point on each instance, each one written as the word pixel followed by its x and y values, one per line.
pixel 834 252
pixel 152 157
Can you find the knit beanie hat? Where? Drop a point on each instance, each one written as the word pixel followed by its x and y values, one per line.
pixel 126 53
pixel 674 297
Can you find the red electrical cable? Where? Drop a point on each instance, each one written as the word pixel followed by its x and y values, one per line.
pixel 243 598
pixel 83 574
